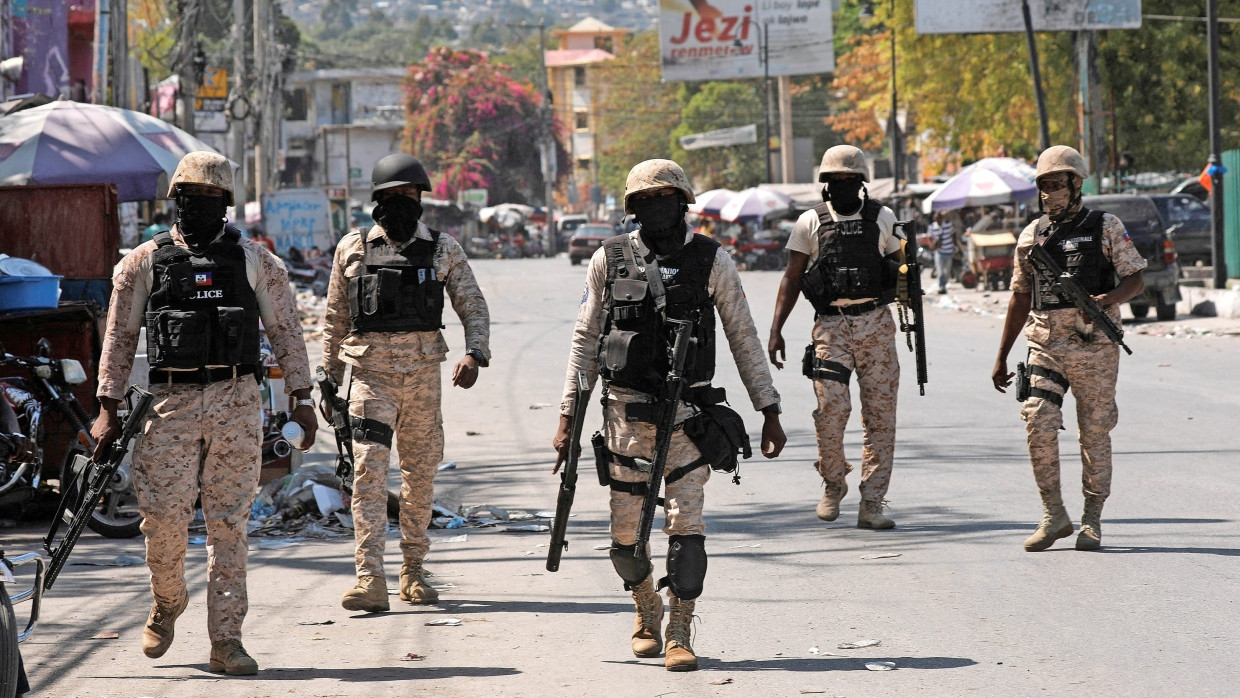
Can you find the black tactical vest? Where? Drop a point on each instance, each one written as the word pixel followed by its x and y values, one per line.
pixel 850 265
pixel 1076 246
pixel 399 291
pixel 202 310
pixel 636 344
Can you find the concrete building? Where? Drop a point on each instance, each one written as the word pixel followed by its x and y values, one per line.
pixel 337 123
pixel 573 76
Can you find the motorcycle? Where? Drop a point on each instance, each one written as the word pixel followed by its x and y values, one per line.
pixel 25 472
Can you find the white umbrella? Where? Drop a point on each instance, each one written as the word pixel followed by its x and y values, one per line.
pixel 709 203
pixel 506 215
pixel 754 205
pixel 986 182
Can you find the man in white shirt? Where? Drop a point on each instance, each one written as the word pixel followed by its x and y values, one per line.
pixel 843 256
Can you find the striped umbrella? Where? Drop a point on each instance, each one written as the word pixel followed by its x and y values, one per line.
pixel 709 203
pixel 986 182
pixel 755 205
pixel 74 143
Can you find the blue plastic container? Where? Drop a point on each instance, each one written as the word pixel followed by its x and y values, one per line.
pixel 29 292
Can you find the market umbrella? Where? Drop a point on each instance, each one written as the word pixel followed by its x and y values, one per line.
pixel 505 215
pixel 74 143
pixel 755 205
pixel 986 182
pixel 709 203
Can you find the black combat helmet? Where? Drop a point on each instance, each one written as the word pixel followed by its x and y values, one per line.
pixel 398 170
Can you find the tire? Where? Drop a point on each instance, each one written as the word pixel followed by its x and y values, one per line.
pixel 104 520
pixel 1165 311
pixel 8 645
pixel 575 261
pixel 1139 310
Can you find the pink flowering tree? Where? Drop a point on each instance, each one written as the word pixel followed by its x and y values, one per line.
pixel 475 127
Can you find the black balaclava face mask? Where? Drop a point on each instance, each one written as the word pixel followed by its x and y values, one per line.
pixel 844 195
pixel 200 218
pixel 399 216
pixel 662 220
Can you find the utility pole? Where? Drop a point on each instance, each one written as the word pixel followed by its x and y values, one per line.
pixel 895 114
pixel 103 21
pixel 766 82
pixel 120 54
pixel 547 139
pixel 787 156
pixel 260 71
pixel 1216 161
pixel 1037 75
pixel 237 126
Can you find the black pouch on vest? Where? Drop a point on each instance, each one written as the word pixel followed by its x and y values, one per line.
pixel 602 458
pixel 227 337
pixel 814 288
pixel 389 284
pixel 178 338
pixel 367 293
pixel 179 280
pixel 643 412
pixel 617 348
pixel 719 433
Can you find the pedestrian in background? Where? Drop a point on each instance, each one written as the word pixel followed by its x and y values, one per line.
pixel 201 289
pixel 944 235
pixel 159 224
pixel 385 305
pixel 1064 350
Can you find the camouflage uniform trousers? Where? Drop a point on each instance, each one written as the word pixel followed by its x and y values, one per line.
pixel 866 345
pixel 1091 370
pixel 683 499
pixel 204 437
pixel 410 404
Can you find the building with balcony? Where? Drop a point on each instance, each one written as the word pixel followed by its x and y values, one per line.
pixel 572 77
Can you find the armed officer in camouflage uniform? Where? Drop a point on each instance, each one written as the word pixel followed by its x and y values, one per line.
pixel 200 290
pixel 843 256
pixel 636 282
pixel 1064 351
pixel 384 314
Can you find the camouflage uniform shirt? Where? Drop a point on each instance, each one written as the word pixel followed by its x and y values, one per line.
pixel 401 352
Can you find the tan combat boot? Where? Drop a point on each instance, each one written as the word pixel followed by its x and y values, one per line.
pixel 370 595
pixel 832 493
pixel 870 515
pixel 679 656
pixel 160 628
pixel 1055 524
pixel 647 636
pixel 229 657
pixel 413 588
pixel 1090 537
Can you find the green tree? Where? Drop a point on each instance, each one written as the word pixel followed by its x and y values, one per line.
pixel 337 17
pixel 636 111
pixel 718 105
pixel 1157 78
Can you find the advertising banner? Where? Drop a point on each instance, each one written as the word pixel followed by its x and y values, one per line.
pixel 298 218
pixel 724 39
pixel 737 135
pixel 41 34
pixel 996 16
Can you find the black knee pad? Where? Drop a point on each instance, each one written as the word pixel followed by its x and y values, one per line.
pixel 632 569
pixel 686 566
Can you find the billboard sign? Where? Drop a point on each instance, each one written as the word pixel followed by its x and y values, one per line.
pixel 737 135
pixel 996 16
pixel 41 35
pixel 724 39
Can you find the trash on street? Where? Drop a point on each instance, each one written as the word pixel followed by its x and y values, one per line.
pixel 859 644
pixel 880 666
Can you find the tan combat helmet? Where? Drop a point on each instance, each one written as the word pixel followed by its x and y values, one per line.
pixel 656 174
pixel 206 168
pixel 843 159
pixel 1061 158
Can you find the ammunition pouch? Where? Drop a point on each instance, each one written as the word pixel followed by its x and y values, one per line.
pixel 719 433
pixel 197 338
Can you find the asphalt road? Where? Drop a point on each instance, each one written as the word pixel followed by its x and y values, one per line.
pixel 962 610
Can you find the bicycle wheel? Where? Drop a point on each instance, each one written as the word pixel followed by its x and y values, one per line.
pixel 8 645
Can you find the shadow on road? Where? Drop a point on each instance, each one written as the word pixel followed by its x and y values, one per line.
pixel 359 675
pixel 1120 550
pixel 816 665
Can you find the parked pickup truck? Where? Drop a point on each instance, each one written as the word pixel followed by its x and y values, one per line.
pixel 1149 234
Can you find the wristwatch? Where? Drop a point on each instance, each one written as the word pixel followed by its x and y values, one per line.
pixel 772 408
pixel 305 402
pixel 478 356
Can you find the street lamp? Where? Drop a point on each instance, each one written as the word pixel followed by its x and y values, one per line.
pixel 867 12
pixel 766 81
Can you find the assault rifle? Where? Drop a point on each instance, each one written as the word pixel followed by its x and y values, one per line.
pixel 912 317
pixel 1067 286
pixel 339 408
pixel 568 476
pixel 669 405
pixel 86 484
